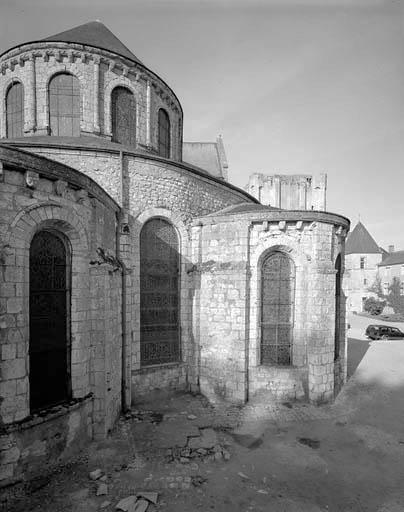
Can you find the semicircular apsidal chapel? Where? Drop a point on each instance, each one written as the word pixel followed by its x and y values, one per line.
pixel 129 263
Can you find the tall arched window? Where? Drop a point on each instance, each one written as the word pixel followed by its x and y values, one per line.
pixel 159 293
pixel 164 141
pixel 337 306
pixel 64 105
pixel 277 309
pixel 49 311
pixel 123 113
pixel 15 111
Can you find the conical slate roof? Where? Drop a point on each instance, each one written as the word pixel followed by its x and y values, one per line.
pixel 95 34
pixel 361 242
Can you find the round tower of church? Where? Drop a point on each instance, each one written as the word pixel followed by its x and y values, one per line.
pixel 82 82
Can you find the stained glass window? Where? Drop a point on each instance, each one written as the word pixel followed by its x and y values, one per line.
pixel 164 142
pixel 15 110
pixel 277 309
pixel 123 116
pixel 64 106
pixel 49 300
pixel 159 293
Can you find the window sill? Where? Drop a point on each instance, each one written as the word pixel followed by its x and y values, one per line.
pixel 45 415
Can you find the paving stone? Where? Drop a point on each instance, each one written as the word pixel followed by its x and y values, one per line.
pixel 207 439
pixel 96 474
pixel 102 490
pixel 126 504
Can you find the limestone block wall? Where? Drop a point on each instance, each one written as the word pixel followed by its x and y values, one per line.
pixel 99 72
pixel 228 252
pixel 51 196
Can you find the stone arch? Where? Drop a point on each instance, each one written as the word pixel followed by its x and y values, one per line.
pixel 17 243
pixel 7 85
pixel 302 264
pixel 184 249
pixel 121 81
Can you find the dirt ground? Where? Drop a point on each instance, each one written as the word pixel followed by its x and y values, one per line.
pixel 348 456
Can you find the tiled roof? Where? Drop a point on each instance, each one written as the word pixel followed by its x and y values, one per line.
pixel 361 242
pixel 394 258
pixel 95 34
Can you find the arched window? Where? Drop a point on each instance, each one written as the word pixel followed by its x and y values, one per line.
pixel 49 311
pixel 277 309
pixel 159 293
pixel 164 135
pixel 15 111
pixel 64 106
pixel 123 113
pixel 337 306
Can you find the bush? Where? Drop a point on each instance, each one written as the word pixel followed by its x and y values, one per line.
pixel 373 306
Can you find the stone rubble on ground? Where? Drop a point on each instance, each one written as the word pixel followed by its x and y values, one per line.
pixel 105 504
pixel 102 490
pixel 96 474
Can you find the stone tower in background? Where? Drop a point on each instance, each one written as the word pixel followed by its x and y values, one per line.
pixel 289 191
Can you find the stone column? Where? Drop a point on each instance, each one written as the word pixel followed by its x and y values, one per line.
pixel 30 97
pixel 320 347
pixel 148 114
pixel 96 93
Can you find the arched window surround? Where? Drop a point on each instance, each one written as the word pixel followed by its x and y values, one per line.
pixel 79 116
pixel 265 341
pixel 22 229
pixel 120 81
pixel 7 90
pixel 164 133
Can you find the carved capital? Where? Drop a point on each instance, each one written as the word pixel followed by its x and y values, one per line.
pixel 31 179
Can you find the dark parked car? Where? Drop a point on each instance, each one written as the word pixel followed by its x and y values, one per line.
pixel 383 332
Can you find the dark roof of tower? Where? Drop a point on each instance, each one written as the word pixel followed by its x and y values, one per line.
pixel 361 242
pixel 95 34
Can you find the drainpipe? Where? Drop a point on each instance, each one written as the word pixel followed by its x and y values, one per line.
pixel 124 272
pixel 122 220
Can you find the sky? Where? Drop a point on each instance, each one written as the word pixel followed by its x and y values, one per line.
pixel 293 86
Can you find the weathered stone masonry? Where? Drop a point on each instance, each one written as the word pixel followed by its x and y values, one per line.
pixel 97 195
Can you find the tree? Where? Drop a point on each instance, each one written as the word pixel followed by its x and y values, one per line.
pixel 373 306
pixel 394 297
pixel 377 288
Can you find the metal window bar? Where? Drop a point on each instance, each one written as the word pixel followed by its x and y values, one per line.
pixel 277 309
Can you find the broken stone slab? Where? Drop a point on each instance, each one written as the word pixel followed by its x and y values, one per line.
pixel 105 504
pixel 127 504
pixel 96 474
pixel 226 454
pixel 103 478
pixel 140 506
pixel 102 490
pixel 149 496
pixel 243 476
pixel 191 417
pixel 218 456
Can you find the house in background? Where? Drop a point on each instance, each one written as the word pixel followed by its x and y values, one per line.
pixel 362 259
pixel 392 266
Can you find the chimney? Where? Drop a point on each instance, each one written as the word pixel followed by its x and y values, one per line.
pixel 391 248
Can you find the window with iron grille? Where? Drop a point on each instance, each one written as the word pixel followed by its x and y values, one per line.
pixel 159 293
pixel 64 106
pixel 277 309
pixel 15 111
pixel 362 262
pixel 164 135
pixel 123 113
pixel 49 323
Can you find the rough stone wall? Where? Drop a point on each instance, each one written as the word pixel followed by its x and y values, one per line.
pixel 357 280
pixel 228 253
pixel 34 447
pixel 31 201
pixel 99 72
